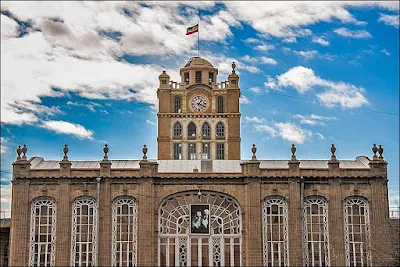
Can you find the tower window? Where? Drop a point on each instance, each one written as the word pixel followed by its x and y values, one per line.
pixel 205 131
pixel 177 151
pixel 220 104
pixel 177 129
pixel 191 130
pixel 220 151
pixel 210 77
pixel 198 77
pixel 192 151
pixel 205 151
pixel 186 77
pixel 177 104
pixel 220 129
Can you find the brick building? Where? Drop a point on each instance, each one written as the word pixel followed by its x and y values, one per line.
pixel 199 204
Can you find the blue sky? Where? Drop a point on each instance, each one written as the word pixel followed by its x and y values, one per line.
pixel 311 73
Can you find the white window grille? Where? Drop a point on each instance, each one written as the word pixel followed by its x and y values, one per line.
pixel 84 232
pixel 178 247
pixel 357 235
pixel 220 129
pixel 205 151
pixel 205 129
pixel 192 151
pixel 42 232
pixel 275 231
pixel 124 231
pixel 177 129
pixel 316 235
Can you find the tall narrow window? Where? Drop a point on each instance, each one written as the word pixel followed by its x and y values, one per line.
pixel 198 77
pixel 177 129
pixel 192 151
pixel 205 130
pixel 210 77
pixel 84 232
pixel 186 77
pixel 357 236
pixel 124 232
pixel 43 232
pixel 177 104
pixel 191 130
pixel 275 233
pixel 220 147
pixel 220 131
pixel 316 235
pixel 220 104
pixel 177 151
pixel 6 254
pixel 205 151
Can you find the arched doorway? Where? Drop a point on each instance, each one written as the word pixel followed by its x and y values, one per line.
pixel 199 229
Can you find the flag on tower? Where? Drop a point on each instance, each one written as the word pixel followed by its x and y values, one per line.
pixel 192 29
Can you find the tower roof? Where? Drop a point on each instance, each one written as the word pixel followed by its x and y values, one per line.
pixel 198 61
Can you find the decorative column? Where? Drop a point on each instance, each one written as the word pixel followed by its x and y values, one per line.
pixel 251 167
pixel 147 168
pixel 333 163
pixel 65 164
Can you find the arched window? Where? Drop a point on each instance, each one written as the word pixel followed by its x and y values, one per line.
pixel 199 230
pixel 124 231
pixel 275 231
pixel 220 132
pixel 84 232
pixel 220 104
pixel 177 104
pixel 356 228
pixel 191 130
pixel 43 232
pixel 205 129
pixel 316 234
pixel 177 129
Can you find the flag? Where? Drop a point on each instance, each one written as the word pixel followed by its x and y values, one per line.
pixel 193 29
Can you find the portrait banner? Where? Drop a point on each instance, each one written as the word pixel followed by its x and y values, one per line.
pixel 200 219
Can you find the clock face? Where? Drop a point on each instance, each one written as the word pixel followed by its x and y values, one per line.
pixel 198 103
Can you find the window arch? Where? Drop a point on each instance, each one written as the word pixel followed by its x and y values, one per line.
pixel 191 130
pixel 124 231
pixel 42 232
pixel 316 234
pixel 220 129
pixel 220 104
pixel 275 231
pixel 177 129
pixel 84 232
pixel 357 235
pixel 205 129
pixel 177 104
pixel 179 246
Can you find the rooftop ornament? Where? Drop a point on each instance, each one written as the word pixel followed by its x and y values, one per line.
pixel 374 150
pixel 19 151
pixel 293 150
pixel 144 150
pixel 105 150
pixel 333 151
pixel 24 150
pixel 380 151
pixel 233 67
pixel 65 150
pixel 254 150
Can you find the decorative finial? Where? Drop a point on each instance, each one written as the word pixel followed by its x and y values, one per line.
pixel 333 151
pixel 19 151
pixel 254 150
pixel 380 151
pixel 374 149
pixel 199 194
pixel 233 67
pixel 144 150
pixel 65 150
pixel 293 149
pixel 163 72
pixel 24 150
pixel 105 150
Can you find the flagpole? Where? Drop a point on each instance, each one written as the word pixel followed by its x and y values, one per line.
pixel 198 38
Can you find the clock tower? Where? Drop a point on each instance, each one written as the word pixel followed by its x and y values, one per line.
pixel 198 118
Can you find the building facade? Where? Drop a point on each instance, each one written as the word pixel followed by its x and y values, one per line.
pixel 199 205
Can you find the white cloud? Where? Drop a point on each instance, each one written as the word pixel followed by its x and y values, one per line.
pixel 336 94
pixel 252 41
pixel 287 131
pixel 244 100
pixel 64 127
pixel 252 69
pixel 385 52
pixel 5 200
pixel 391 20
pixel 320 136
pixel 9 27
pixel 255 89
pixel 313 119
pixel 268 60
pixel 264 47
pixel 3 147
pixel 248 119
pixel 357 34
pixel 320 40
pixel 252 60
pixel 151 122
pixel 307 54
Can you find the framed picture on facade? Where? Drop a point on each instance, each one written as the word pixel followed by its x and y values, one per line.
pixel 200 219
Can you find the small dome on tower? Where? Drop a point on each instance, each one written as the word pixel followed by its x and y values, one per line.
pixel 198 61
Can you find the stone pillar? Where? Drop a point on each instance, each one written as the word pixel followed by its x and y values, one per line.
pixel 105 223
pixel 63 224
pixel 294 224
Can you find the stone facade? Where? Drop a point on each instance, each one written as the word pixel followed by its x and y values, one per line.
pixel 157 185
